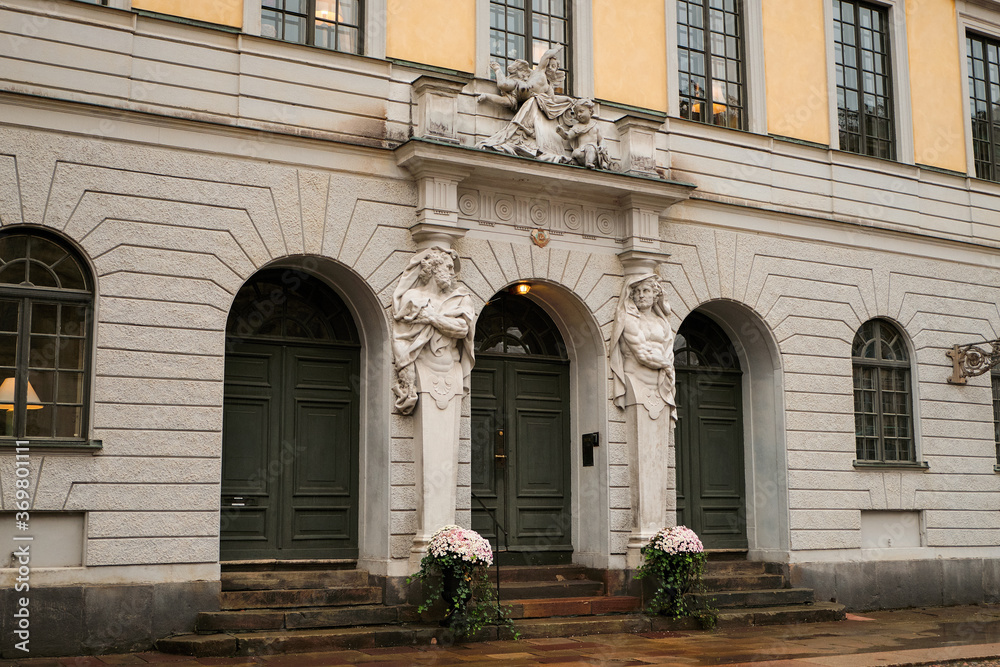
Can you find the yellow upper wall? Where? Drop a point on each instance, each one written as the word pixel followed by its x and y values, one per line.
pixel 221 12
pixel 795 69
pixel 630 52
pixel 433 32
pixel 937 78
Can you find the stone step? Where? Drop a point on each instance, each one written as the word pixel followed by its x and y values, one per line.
pixel 334 639
pixel 777 597
pixel 309 597
pixel 742 582
pixel 534 590
pixel 816 612
pixel 715 555
pixel 290 579
pixel 741 567
pixel 322 617
pixel 273 564
pixel 520 573
pixel 584 606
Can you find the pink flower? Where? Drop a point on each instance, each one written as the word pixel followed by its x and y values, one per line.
pixel 461 543
pixel 677 540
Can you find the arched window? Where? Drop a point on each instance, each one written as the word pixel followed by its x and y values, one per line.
pixel 995 383
pixel 883 404
pixel 46 308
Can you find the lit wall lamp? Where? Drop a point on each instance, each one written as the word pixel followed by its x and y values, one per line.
pixel 971 360
pixel 520 289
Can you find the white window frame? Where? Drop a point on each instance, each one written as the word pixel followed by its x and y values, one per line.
pixel 753 64
pixel 900 61
pixel 581 41
pixel 982 16
pixel 373 11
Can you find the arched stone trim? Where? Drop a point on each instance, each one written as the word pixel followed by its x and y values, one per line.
pixel 374 460
pixel 765 457
pixel 588 413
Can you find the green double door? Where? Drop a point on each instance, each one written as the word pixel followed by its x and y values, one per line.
pixel 711 486
pixel 521 457
pixel 290 452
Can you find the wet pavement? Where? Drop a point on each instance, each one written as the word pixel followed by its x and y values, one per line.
pixel 931 636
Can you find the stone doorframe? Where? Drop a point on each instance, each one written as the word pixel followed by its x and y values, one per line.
pixel 374 459
pixel 765 457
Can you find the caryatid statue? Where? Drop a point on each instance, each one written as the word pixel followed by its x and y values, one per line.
pixel 642 362
pixel 432 344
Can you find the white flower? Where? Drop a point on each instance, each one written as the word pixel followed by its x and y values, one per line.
pixel 461 543
pixel 677 540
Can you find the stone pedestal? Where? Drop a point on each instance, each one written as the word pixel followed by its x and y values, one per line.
pixel 654 498
pixel 436 441
pixel 436 101
pixel 637 135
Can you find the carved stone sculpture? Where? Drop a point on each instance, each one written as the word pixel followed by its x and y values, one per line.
pixel 433 346
pixel 642 362
pixel 432 336
pixel 547 126
pixel 642 348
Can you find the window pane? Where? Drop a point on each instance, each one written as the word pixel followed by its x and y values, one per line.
pixel 68 421
pixel 882 400
pixel 860 134
pixel 44 318
pixel 40 422
pixel 56 332
pixel 710 62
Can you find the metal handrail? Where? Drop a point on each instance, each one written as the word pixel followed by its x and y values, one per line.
pixel 497 530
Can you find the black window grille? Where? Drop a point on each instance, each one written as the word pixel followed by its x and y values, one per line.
pixel 526 29
pixel 984 98
pixel 883 406
pixel 328 24
pixel 864 79
pixel 711 67
pixel 46 312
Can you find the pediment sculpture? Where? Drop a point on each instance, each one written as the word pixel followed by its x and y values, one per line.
pixel 546 126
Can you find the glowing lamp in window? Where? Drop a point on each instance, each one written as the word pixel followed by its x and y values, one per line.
pixel 8 393
pixel 718 93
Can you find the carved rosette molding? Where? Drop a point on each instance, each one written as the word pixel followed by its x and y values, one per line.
pixel 488 207
pixel 459 188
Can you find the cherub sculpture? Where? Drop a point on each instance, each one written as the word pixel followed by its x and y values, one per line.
pixel 585 137
pixel 513 91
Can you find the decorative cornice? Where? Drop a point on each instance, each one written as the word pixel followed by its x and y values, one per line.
pixel 540 179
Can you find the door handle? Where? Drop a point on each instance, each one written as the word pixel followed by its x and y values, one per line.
pixel 499 454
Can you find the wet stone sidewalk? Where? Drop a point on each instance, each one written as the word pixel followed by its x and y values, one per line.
pixel 931 636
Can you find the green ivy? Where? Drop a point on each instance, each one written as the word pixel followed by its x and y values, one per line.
pixel 678 574
pixel 474 605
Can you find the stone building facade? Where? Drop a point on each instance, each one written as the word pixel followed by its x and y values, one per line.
pixel 176 154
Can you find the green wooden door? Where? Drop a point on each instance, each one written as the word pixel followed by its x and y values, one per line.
pixel 711 487
pixel 289 471
pixel 521 433
pixel 290 424
pixel 521 456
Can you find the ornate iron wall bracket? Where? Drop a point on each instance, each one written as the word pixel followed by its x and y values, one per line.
pixel 972 360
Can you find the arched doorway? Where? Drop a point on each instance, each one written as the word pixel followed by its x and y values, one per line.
pixel 521 432
pixel 290 422
pixel 711 479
